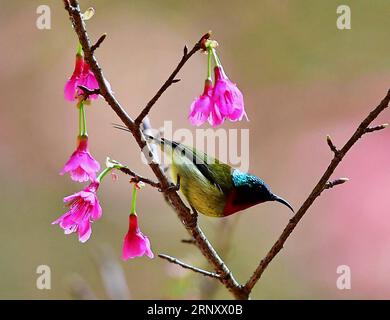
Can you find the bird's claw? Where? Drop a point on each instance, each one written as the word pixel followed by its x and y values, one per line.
pixel 193 221
pixel 172 187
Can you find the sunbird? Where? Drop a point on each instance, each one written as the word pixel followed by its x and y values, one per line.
pixel 210 186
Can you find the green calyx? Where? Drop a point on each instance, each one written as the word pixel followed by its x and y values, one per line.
pixel 79 50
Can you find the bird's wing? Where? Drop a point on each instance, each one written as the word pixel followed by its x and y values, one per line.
pixel 200 160
pixel 212 169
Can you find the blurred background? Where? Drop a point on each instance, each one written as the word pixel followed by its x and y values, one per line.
pixel 302 79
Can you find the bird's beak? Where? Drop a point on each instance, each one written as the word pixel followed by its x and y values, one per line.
pixel 281 200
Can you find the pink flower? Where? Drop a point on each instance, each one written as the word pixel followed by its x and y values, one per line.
pixel 202 106
pixel 227 97
pixel 71 85
pixel 135 243
pixel 82 76
pixel 81 165
pixel 84 208
pixel 88 80
pixel 216 118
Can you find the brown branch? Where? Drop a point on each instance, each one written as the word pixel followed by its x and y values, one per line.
pixel 88 92
pixel 138 178
pixel 331 145
pixel 187 266
pixel 188 241
pixel 320 186
pixel 171 79
pixel 331 184
pixel 377 128
pixel 98 42
pixel 173 198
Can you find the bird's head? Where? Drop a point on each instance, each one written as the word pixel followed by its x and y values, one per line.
pixel 252 190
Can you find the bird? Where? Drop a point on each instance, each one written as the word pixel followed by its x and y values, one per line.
pixel 210 186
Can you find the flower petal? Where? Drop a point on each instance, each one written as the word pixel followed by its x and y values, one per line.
pixel 70 89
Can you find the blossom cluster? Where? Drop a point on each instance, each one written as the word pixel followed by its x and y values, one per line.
pixel 84 207
pixel 219 101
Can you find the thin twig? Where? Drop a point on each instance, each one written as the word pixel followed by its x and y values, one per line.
pixel 331 145
pixel 188 241
pixel 333 183
pixel 187 266
pixel 88 92
pixel 138 178
pixel 98 42
pixel 377 128
pixel 360 131
pixel 171 79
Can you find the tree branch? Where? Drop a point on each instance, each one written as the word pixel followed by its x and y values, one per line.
pixel 171 79
pixel 173 198
pixel 320 186
pixel 331 184
pixel 377 128
pixel 187 266
pixel 98 42
pixel 88 92
pixel 183 212
pixel 331 145
pixel 138 178
pixel 188 241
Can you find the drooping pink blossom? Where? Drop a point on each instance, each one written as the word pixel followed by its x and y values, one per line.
pixel 84 208
pixel 202 106
pixel 81 165
pixel 82 76
pixel 89 80
pixel 71 85
pixel 135 243
pixel 227 97
pixel 216 118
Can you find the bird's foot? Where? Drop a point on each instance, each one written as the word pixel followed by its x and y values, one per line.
pixel 172 187
pixel 193 221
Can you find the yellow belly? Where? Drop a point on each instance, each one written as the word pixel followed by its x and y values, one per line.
pixel 205 197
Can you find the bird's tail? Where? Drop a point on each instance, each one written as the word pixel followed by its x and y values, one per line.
pixel 162 142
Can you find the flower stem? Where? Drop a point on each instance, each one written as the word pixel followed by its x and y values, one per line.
pixel 82 107
pixel 208 63
pixel 104 173
pixel 216 59
pixel 82 120
pixel 218 62
pixel 133 200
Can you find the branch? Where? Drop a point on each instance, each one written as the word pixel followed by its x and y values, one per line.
pixel 331 184
pixel 182 211
pixel 377 128
pixel 187 266
pixel 188 241
pixel 88 92
pixel 138 178
pixel 320 186
pixel 331 145
pixel 171 79
pixel 98 42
